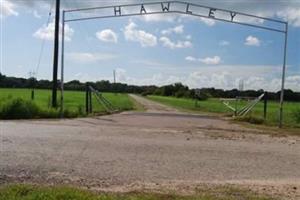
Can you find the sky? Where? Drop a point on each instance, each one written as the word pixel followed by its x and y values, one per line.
pixel 155 49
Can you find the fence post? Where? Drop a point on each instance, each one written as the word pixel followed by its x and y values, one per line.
pixel 235 106
pixel 90 102
pixel 32 94
pixel 265 105
pixel 86 99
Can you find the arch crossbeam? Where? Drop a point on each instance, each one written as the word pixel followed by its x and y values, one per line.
pixel 179 8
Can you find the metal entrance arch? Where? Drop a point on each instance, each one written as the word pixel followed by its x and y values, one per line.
pixel 179 7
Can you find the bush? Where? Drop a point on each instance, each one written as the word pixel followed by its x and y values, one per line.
pixel 251 119
pixel 146 93
pixel 296 115
pixel 25 109
pixel 48 113
pixel 19 109
pixel 180 94
pixel 70 114
pixel 80 110
pixel 201 97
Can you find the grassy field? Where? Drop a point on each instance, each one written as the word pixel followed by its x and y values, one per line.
pixel 215 106
pixel 25 192
pixel 74 100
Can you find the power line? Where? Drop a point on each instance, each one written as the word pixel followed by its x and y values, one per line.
pixel 43 41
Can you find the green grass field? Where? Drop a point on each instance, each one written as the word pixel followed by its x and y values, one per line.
pixel 74 101
pixel 26 192
pixel 215 106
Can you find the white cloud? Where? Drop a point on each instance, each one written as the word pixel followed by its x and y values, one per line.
pixel 84 77
pixel 121 75
pixel 252 41
pixel 177 29
pixel 287 9
pixel 252 20
pixel 107 35
pixel 144 38
pixel 203 20
pixel 208 22
pixel 224 43
pixel 175 45
pixel 293 82
pixel 218 80
pixel 188 37
pixel 157 79
pixel 228 77
pixel 292 15
pixel 153 64
pixel 85 57
pixel 211 60
pixel 47 32
pixel 294 78
pixel 221 76
pixel 159 18
pixel 208 60
pixel 7 9
pixel 36 14
pixel 190 58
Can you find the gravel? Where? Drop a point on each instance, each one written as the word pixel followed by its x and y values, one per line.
pixel 159 149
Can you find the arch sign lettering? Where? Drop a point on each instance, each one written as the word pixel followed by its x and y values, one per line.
pixel 178 7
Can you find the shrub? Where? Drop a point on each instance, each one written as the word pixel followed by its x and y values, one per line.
pixel 146 93
pixel 26 109
pixel 201 97
pixel 80 110
pixel 251 119
pixel 296 115
pixel 49 113
pixel 179 94
pixel 19 109
pixel 70 114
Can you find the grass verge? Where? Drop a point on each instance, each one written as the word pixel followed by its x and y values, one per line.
pixel 291 110
pixel 25 109
pixel 28 192
pixel 16 104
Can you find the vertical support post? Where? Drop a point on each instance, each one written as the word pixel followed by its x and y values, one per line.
pixel 55 57
pixel 90 102
pixel 114 76
pixel 235 109
pixel 32 94
pixel 62 66
pixel 283 77
pixel 86 98
pixel 265 105
pixel 114 84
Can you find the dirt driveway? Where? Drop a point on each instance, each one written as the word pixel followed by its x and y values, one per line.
pixel 158 149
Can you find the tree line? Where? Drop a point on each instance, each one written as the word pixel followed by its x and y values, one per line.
pixel 176 89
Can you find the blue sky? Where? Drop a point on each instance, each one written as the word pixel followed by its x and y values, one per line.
pixel 155 49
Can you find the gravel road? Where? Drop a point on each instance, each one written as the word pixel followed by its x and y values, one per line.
pixel 157 149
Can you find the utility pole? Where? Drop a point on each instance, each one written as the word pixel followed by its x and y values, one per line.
pixel 55 57
pixel 114 84
pixel 32 83
pixel 114 76
pixel 283 77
